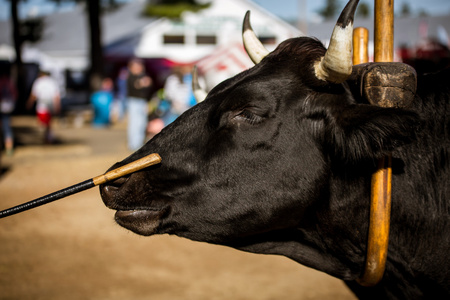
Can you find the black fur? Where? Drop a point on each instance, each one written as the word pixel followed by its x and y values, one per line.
pixel 276 161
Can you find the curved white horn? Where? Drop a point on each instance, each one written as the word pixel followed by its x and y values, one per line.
pixel 199 93
pixel 255 49
pixel 336 65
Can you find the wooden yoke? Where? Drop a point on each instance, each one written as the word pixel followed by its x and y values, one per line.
pixel 380 202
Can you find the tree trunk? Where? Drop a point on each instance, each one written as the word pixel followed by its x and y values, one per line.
pixel 18 73
pixel 96 51
pixel 16 31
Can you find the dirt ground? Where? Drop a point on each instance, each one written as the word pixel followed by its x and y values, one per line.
pixel 72 249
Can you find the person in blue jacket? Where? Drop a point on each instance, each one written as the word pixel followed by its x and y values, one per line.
pixel 101 102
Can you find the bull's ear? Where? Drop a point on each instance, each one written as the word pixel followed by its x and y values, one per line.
pixel 368 132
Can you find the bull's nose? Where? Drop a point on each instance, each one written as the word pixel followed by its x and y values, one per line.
pixel 117 183
pixel 109 190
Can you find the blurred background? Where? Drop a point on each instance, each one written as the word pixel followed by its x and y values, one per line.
pixel 80 41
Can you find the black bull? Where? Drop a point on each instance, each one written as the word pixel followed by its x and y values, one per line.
pixel 278 161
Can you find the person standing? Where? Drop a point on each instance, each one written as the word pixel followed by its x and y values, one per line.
pixel 178 91
pixel 8 95
pixel 121 95
pixel 176 99
pixel 138 90
pixel 102 101
pixel 45 92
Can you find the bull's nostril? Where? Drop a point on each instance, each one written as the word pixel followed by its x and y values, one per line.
pixel 118 182
pixel 110 190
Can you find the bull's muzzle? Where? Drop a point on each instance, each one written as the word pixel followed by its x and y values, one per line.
pixel 132 213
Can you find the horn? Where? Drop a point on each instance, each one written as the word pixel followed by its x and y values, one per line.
pixel 255 49
pixel 199 93
pixel 336 65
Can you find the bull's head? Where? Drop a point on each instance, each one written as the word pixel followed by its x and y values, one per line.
pixel 260 164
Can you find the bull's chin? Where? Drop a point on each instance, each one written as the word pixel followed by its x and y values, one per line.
pixel 143 222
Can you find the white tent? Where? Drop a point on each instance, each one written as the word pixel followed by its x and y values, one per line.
pixel 197 35
pixel 7 52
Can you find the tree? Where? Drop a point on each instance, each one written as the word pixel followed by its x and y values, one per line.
pixel 423 13
pixel 172 8
pixel 18 69
pixel 363 10
pixel 93 12
pixel 405 10
pixel 31 29
pixel 16 31
pixel 96 50
pixel 95 8
pixel 172 2
pixel 330 10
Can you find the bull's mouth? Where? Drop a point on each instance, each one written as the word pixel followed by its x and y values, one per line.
pixel 143 222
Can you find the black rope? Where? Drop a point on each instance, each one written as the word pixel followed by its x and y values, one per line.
pixel 48 198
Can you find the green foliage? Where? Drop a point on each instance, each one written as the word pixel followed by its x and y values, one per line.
pixel 405 10
pixel 330 10
pixel 423 13
pixel 105 5
pixel 31 29
pixel 363 10
pixel 172 10
pixel 171 2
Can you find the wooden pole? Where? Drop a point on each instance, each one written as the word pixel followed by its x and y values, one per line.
pixel 384 31
pixel 360 45
pixel 380 207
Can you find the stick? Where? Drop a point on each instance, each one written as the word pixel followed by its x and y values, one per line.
pixel 132 167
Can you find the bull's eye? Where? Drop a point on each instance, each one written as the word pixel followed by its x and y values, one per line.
pixel 248 117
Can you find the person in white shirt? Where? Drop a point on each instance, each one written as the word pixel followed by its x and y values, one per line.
pixel 178 91
pixel 45 92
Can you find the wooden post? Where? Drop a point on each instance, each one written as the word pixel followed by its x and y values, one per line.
pixel 384 31
pixel 380 206
pixel 360 45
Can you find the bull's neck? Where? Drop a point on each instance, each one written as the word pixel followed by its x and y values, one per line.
pixel 332 235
